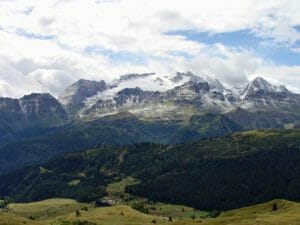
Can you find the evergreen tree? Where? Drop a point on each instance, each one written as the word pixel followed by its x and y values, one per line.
pixel 275 207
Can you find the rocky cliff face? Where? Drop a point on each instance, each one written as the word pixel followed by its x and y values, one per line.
pixel 34 111
pixel 176 97
pixel 75 95
pixel 42 107
pixel 260 94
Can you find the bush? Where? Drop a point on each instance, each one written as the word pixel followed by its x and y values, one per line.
pixel 31 218
pixel 274 208
pixel 139 207
pixel 214 214
pixel 3 204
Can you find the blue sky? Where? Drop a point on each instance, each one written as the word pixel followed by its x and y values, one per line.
pixel 46 45
pixel 279 53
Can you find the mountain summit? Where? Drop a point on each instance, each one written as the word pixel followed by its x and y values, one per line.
pixel 261 85
pixel 79 91
pixel 173 96
pixel 34 111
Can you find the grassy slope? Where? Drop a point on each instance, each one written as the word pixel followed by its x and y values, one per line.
pixel 13 219
pixel 46 209
pixel 118 187
pixel 112 216
pixel 287 213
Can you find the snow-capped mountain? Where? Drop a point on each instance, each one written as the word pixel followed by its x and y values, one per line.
pixel 261 85
pixel 75 95
pixel 260 94
pixel 173 96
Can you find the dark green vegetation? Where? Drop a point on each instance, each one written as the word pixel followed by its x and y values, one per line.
pixel 123 129
pixel 37 145
pixel 221 173
pixel 120 129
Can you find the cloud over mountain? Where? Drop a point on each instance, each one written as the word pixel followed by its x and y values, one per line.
pixel 47 45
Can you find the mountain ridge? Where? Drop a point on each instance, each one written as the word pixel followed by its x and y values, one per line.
pixel 33 112
pixel 143 94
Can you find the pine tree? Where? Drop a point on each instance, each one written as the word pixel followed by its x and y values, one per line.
pixel 275 207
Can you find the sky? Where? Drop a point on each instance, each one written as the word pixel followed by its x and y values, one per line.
pixel 46 45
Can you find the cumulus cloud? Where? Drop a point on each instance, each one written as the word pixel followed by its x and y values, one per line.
pixel 46 45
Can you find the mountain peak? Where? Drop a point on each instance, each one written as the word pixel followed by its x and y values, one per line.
pixel 37 95
pixel 283 88
pixel 259 84
pixel 80 90
pixel 85 83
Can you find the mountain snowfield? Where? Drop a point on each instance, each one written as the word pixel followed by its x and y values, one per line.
pixel 173 96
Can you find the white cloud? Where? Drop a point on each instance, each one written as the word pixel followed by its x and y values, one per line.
pixel 43 43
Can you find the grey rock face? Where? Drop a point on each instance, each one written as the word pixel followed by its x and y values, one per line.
pixel 186 93
pixel 34 111
pixel 126 99
pixel 262 95
pixel 74 95
pixel 43 107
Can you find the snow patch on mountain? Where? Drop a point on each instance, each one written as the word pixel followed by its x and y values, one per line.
pixel 174 95
pixel 260 84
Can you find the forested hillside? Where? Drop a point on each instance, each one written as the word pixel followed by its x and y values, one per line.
pixel 221 173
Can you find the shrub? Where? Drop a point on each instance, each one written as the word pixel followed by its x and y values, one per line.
pixel 3 204
pixel 31 218
pixel 139 207
pixel 274 208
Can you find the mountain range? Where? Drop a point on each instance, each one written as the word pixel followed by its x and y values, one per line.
pixel 177 97
pixel 153 97
pixel 136 108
